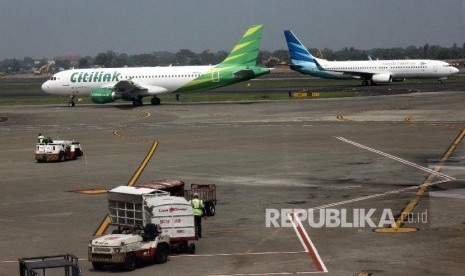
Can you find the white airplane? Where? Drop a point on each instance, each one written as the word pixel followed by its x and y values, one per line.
pixel 105 85
pixel 369 71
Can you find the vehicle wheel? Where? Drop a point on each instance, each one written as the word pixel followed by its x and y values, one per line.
pixel 211 210
pixel 97 266
pixel 62 156
pixel 192 248
pixel 71 104
pixel 364 83
pixel 162 254
pixel 130 262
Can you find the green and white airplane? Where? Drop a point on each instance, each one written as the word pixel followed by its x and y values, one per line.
pixel 105 85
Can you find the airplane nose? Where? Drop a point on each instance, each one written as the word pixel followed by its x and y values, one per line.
pixel 45 86
pixel 455 70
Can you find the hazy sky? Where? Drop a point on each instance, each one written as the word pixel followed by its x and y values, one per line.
pixel 47 28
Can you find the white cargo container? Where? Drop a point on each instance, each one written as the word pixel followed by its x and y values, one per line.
pixel 138 212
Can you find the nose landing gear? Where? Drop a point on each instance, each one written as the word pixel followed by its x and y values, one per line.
pixel 71 102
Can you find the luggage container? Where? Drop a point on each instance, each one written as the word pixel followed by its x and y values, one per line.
pixel 206 192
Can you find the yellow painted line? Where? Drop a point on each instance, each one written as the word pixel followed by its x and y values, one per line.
pixel 103 226
pixel 143 164
pixel 422 190
pixel 341 118
pixel 408 119
pixel 91 191
pixel 106 221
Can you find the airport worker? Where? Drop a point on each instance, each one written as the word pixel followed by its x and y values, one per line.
pixel 198 206
pixel 41 138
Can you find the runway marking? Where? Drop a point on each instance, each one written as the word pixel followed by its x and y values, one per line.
pixel 91 191
pixel 240 254
pixel 341 118
pixel 408 119
pixel 422 190
pixel 226 255
pixel 428 170
pixel 307 242
pixel 397 191
pixel 106 221
pixel 271 273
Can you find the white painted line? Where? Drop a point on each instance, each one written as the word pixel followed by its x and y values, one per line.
pixel 433 172
pixel 209 255
pixel 237 254
pixel 377 195
pixel 307 242
pixel 271 273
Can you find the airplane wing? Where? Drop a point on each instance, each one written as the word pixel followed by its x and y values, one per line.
pixel 131 88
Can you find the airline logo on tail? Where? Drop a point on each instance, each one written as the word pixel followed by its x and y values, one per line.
pixel 297 50
pixel 239 65
pixel 246 51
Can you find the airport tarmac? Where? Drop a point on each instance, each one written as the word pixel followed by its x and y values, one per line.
pixel 266 155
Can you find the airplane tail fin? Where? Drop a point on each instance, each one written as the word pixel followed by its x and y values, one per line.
pixel 246 50
pixel 297 50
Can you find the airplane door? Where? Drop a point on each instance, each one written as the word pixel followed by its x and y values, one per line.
pixel 215 75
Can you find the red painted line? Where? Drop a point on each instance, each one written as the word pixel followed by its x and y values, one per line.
pixel 307 243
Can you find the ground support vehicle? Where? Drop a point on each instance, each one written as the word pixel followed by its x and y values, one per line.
pixel 58 150
pixel 36 266
pixel 206 192
pixel 147 222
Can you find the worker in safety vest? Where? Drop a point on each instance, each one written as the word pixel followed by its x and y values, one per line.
pixel 198 206
pixel 41 138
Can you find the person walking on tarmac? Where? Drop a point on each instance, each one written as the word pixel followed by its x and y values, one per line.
pixel 198 206
pixel 40 138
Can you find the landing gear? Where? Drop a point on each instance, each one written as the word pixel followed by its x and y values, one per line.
pixel 71 102
pixel 440 81
pixel 368 83
pixel 137 102
pixel 155 100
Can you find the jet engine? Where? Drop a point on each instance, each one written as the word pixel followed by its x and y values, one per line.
pixel 381 78
pixel 103 95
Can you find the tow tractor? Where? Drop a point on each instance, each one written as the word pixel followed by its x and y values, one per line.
pixel 206 192
pixel 57 150
pixel 149 222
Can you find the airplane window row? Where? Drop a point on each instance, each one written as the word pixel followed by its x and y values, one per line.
pixel 364 68
pixel 162 76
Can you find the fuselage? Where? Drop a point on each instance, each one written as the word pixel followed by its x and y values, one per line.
pixel 398 69
pixel 83 81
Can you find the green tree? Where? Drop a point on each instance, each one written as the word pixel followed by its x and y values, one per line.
pixel 83 63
